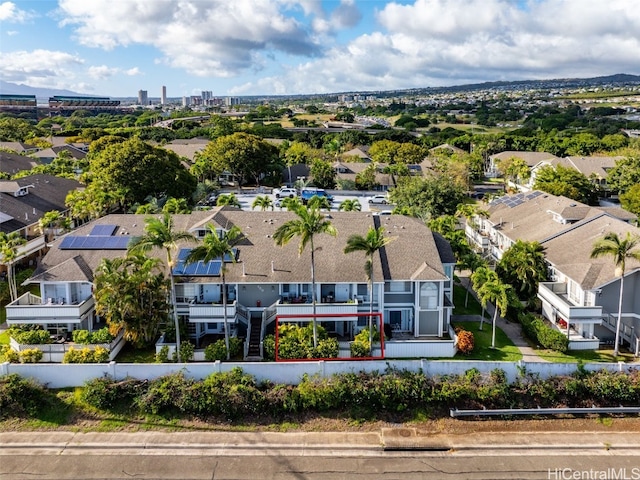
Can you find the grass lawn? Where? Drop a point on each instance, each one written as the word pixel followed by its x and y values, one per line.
pixel 575 356
pixel 505 350
pixel 128 354
pixel 472 308
pixel 4 338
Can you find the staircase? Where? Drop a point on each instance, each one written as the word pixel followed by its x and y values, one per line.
pixel 254 340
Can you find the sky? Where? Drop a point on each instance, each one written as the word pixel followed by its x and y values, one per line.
pixel 287 47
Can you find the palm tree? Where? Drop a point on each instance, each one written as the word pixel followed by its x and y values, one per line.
pixel 291 204
pixel 159 233
pixel 228 199
pixel 310 222
pixel 621 249
pixel 496 292
pixel 52 220
pixel 218 247
pixel 481 276
pixel 176 205
pixel 350 205
pixel 263 202
pixel 370 244
pixel 471 261
pixel 9 249
pixel 524 266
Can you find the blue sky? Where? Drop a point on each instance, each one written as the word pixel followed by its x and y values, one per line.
pixel 260 47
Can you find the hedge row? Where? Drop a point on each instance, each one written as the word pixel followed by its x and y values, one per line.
pixel 543 335
pixel 236 394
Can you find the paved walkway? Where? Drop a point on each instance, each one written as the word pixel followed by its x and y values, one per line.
pixel 511 329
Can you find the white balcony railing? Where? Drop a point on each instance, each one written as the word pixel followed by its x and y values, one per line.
pixel 209 311
pixel 30 308
pixel 555 293
pixel 307 308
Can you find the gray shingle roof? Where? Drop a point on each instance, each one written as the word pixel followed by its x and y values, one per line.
pixel 412 254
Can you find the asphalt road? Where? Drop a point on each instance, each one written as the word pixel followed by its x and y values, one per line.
pixel 337 456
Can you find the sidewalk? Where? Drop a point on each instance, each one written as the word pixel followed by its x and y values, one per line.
pixel 511 329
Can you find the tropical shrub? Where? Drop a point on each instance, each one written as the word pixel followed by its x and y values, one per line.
pixel 82 337
pixel 187 351
pixel 218 349
pixel 466 341
pixel 7 354
pixel 20 397
pixel 86 355
pixel 297 342
pixel 102 336
pixel 30 335
pixel 31 355
pixel 543 335
pixel 162 356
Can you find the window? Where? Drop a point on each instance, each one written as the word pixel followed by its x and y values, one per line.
pixel 428 296
pixel 397 287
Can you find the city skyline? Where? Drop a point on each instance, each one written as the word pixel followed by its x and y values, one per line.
pixel 288 47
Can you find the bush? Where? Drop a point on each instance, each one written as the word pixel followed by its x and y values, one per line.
pixel 105 393
pixel 163 355
pixel 30 335
pixel 31 355
pixel 82 337
pixel 20 397
pixel 297 342
pixel 466 341
pixel 269 348
pixel 102 336
pixel 187 350
pixel 86 355
pixel 545 336
pixel 360 346
pixel 7 354
pixel 218 350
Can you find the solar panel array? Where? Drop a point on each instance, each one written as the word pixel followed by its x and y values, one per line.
pixel 517 199
pixel 95 242
pixel 103 230
pixel 200 268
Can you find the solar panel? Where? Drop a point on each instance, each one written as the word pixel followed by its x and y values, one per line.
pixel 95 242
pixel 202 268
pixel 214 268
pixel 106 230
pixel 183 254
pixel 66 243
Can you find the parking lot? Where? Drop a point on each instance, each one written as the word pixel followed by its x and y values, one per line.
pixel 247 199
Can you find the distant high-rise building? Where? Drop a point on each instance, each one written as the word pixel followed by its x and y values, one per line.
pixel 143 98
pixel 185 101
pixel 232 101
pixel 163 97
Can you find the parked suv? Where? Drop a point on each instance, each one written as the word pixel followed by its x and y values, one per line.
pixel 379 199
pixel 309 193
pixel 284 192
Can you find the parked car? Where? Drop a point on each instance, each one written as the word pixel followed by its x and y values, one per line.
pixel 379 199
pixel 284 192
pixel 309 193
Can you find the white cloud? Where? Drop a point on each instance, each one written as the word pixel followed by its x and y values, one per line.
pixel 216 38
pixel 103 72
pixel 40 68
pixel 10 13
pixel 445 42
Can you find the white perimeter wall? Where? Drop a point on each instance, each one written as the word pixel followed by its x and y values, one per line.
pixel 73 375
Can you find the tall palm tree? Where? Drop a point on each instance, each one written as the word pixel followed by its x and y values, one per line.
pixel 481 276
pixel 472 262
pixel 220 247
pixel 263 202
pixel 524 266
pixel 9 249
pixel 159 233
pixel 621 249
pixel 496 292
pixel 53 220
pixel 310 222
pixel 291 204
pixel 350 205
pixel 370 244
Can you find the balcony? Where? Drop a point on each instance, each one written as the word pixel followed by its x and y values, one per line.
pixel 30 309
pixel 555 294
pixel 210 312
pixel 291 307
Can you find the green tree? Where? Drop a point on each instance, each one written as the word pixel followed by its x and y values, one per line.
pixel 370 245
pixel 621 250
pixel 366 179
pixel 523 266
pixel 160 234
pixel 630 200
pixel 263 202
pixel 243 155
pixel 429 196
pixel 626 171
pixel 514 169
pixel 218 247
pixel 229 199
pixel 297 153
pixel 481 276
pixel 472 262
pixel 176 205
pixel 9 245
pixel 384 151
pixel 496 292
pixel 350 205
pixel 53 220
pixel 15 129
pixel 140 170
pixel 324 176
pixel 568 182
pixel 131 294
pixel 291 204
pixel 310 222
